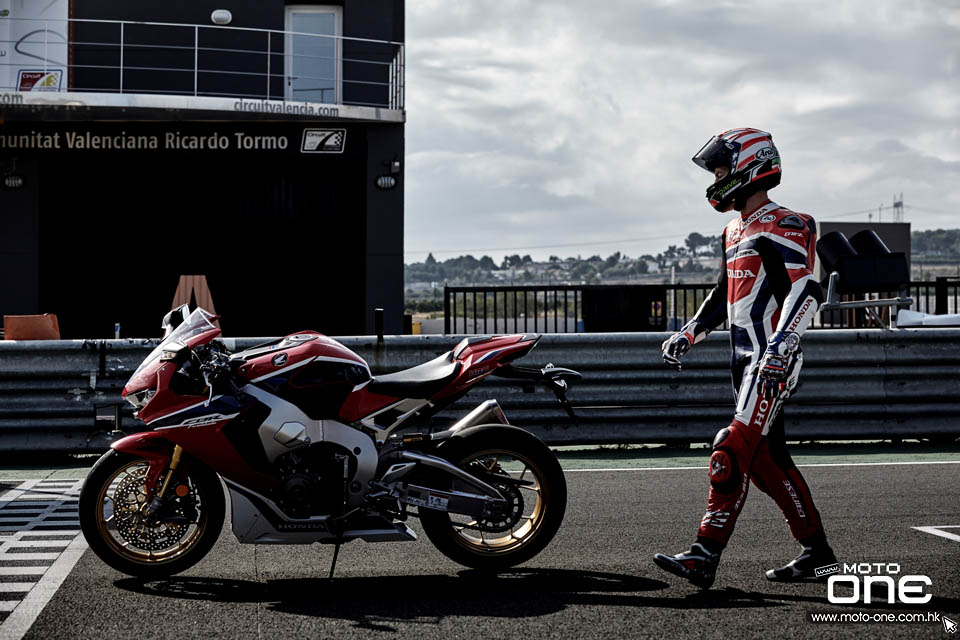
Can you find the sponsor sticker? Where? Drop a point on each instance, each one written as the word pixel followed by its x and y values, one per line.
pixel 768 218
pixel 39 80
pixel 417 502
pixel 323 140
pixel 437 502
pixel 766 153
pixel 280 359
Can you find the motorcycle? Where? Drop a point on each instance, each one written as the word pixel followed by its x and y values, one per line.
pixel 313 448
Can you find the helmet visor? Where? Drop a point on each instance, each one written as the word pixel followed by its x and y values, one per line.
pixel 716 153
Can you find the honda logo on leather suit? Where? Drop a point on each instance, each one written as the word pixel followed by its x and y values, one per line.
pixel 740 273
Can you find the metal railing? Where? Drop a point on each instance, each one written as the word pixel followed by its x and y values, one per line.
pixel 864 384
pixel 945 298
pixel 118 56
pixel 560 309
pixel 517 309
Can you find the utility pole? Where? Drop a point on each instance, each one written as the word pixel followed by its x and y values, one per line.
pixel 898 208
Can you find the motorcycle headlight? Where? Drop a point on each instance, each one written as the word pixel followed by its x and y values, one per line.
pixel 140 398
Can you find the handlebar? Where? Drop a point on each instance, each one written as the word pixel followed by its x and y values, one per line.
pixel 216 368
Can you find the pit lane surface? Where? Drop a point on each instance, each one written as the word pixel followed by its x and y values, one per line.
pixel 595 580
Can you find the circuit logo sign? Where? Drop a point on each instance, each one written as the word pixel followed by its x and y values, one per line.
pixel 323 140
pixel 864 577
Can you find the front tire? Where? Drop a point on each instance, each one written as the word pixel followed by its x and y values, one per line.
pixel 534 511
pixel 111 504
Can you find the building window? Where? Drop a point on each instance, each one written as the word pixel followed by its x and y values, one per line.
pixel 313 53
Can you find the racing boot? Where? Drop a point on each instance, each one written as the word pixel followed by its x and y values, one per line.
pixel 805 565
pixel 697 565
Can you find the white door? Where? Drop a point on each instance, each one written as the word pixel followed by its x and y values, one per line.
pixel 313 53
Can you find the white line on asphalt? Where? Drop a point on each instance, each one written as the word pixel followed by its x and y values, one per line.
pixel 36 544
pixel 22 571
pixel 31 556
pixel 21 619
pixel 14 587
pixel 938 531
pixel 817 464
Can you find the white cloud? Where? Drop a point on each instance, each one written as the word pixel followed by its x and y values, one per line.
pixel 533 124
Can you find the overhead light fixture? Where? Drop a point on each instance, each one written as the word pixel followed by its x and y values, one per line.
pixel 221 16
pixel 12 182
pixel 386 182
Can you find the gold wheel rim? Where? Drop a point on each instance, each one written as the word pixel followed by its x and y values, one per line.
pixel 530 521
pixel 107 518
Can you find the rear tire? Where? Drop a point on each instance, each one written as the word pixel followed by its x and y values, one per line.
pixel 489 546
pixel 110 503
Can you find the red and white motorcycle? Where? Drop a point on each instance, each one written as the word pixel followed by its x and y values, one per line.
pixel 313 448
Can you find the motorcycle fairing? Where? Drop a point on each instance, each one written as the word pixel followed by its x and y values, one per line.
pixel 257 519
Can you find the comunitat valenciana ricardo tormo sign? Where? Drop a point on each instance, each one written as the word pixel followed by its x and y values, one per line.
pixel 308 140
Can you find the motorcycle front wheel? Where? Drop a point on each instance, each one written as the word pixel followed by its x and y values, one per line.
pixel 526 473
pixel 112 505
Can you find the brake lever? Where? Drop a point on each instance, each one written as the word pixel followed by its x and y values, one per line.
pixel 206 378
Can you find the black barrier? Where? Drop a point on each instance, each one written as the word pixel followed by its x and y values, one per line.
pixel 855 385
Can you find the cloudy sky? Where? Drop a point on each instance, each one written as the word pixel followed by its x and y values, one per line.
pixel 565 128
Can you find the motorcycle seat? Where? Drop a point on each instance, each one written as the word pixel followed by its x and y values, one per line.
pixel 421 381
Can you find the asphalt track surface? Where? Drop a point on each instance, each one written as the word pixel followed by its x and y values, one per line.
pixel 596 580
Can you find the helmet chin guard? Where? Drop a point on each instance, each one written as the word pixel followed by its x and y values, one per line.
pixel 752 161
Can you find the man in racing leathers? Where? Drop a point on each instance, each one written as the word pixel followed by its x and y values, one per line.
pixel 768 293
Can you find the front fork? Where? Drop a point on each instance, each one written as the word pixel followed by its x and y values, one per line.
pixel 154 507
pixel 153 447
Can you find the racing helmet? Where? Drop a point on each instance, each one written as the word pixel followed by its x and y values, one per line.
pixel 752 159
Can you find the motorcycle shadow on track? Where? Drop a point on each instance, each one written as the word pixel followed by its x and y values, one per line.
pixel 522 593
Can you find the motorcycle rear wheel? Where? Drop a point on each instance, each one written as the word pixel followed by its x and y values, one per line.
pixel 111 504
pixel 535 510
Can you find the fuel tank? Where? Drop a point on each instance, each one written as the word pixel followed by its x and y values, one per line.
pixel 307 369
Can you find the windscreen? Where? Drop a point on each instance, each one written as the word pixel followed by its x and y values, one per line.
pixel 198 322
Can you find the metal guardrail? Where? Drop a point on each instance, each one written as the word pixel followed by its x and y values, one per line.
pixel 132 57
pixel 855 385
pixel 559 308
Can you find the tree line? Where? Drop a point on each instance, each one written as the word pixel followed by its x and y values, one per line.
pixel 595 268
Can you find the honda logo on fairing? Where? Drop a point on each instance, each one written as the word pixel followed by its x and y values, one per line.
pixel 740 273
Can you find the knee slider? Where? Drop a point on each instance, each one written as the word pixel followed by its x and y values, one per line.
pixel 724 471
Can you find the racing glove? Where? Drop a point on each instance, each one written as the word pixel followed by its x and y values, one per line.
pixel 677 345
pixel 778 360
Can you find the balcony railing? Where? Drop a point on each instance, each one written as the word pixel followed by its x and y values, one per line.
pixel 115 56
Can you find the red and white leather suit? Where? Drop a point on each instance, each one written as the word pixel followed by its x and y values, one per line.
pixel 767 286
